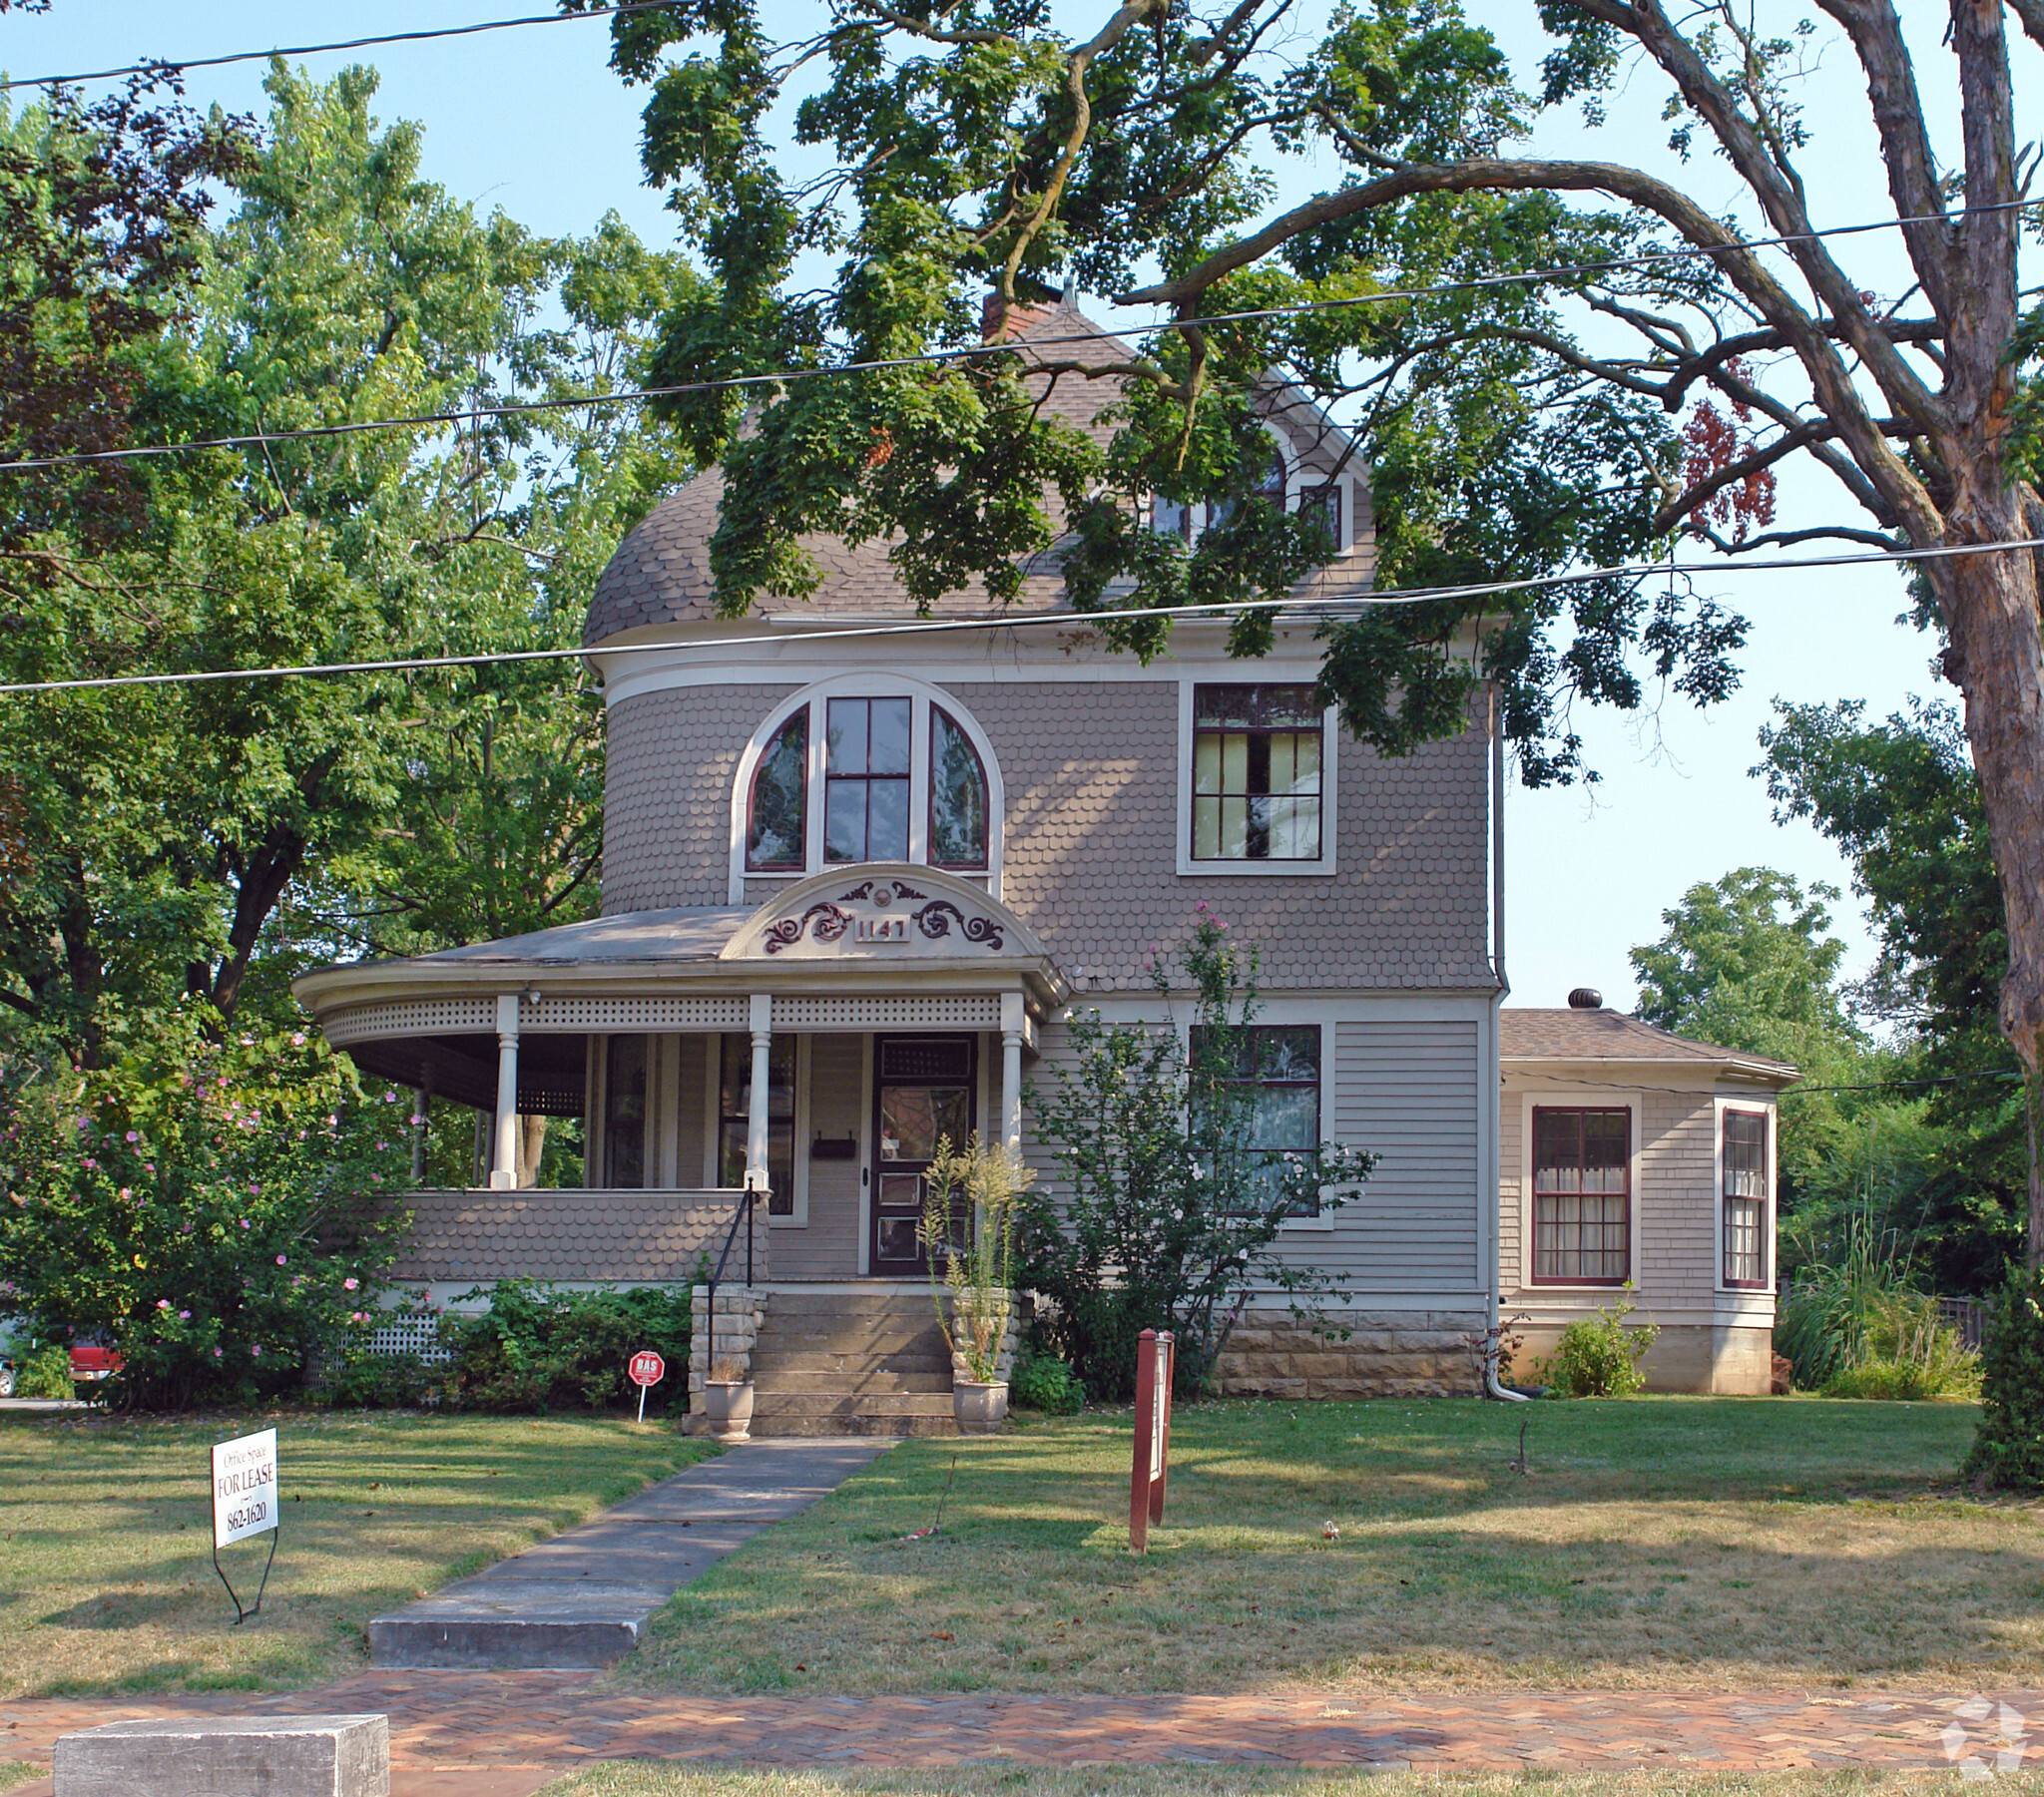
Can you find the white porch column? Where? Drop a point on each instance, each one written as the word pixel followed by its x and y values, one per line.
pixel 757 1097
pixel 504 1156
pixel 1013 1021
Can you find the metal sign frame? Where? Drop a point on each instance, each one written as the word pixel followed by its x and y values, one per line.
pixel 231 1527
pixel 1150 1455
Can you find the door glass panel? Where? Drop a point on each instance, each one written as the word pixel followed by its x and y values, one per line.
pixel 914 1118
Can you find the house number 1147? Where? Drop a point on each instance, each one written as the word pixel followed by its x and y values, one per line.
pixel 880 928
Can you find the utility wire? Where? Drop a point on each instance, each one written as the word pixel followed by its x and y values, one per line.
pixel 166 65
pixel 1329 607
pixel 729 383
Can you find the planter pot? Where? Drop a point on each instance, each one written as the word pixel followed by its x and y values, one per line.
pixel 980 1409
pixel 727 1403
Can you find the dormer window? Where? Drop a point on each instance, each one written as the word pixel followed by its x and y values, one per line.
pixel 868 770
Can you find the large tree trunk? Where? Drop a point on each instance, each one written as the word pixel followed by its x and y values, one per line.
pixel 1997 659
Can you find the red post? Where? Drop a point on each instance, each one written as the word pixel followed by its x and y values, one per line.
pixel 1155 1355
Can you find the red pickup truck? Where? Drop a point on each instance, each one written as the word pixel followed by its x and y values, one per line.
pixel 92 1362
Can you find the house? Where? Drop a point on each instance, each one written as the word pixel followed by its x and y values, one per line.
pixel 852 891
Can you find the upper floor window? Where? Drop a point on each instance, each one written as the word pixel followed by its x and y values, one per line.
pixel 1744 1155
pixel 876 775
pixel 1582 1196
pixel 1256 785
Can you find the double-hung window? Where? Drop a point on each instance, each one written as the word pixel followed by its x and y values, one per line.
pixel 1272 1102
pixel 1257 774
pixel 1582 1196
pixel 734 1118
pixel 1743 1152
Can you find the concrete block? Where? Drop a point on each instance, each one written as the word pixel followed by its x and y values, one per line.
pixel 221 1756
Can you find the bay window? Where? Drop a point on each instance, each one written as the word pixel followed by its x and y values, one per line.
pixel 1582 1196
pixel 1743 1152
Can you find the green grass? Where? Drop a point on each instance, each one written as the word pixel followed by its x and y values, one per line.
pixel 18 1771
pixel 1670 1543
pixel 641 1779
pixel 109 1585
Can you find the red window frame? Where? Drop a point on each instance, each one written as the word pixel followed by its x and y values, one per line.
pixel 1624 1195
pixel 1762 1200
pixel 986 806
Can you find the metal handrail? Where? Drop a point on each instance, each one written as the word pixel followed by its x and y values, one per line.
pixel 742 1211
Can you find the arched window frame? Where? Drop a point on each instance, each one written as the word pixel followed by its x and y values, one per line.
pixel 870 685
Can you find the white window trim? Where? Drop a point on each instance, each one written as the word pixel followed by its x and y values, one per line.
pixel 1330 760
pixel 1586 1098
pixel 1721 1103
pixel 866 684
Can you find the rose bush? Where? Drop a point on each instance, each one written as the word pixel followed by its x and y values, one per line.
pixel 217 1209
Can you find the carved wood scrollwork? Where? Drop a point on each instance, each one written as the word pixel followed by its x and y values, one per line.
pixel 830 924
pixel 935 918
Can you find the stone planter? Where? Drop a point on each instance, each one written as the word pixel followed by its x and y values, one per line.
pixel 980 1409
pixel 728 1404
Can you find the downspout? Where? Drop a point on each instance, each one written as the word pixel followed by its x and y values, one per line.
pixel 1492 1173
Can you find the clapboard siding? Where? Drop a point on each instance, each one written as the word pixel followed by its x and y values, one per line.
pixel 1407 1092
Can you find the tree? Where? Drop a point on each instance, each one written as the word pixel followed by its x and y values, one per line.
pixel 1167 1214
pixel 1511 430
pixel 203 843
pixel 1899 800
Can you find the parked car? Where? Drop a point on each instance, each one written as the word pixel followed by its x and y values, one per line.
pixel 92 1361
pixel 6 1377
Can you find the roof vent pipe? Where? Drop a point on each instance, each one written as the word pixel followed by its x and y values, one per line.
pixel 1586 998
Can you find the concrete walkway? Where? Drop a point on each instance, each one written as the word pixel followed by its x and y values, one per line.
pixel 505 1735
pixel 582 1599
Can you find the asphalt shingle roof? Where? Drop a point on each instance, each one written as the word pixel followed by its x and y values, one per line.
pixel 1526 1034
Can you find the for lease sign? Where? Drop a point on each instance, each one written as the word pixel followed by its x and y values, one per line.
pixel 244 1487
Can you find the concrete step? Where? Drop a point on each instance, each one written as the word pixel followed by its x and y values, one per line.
pixel 855 1347
pixel 847 1303
pixel 790 1362
pixel 889 1427
pixel 861 1382
pixel 849 1404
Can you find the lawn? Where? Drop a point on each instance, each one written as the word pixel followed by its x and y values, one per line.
pixel 109 1584
pixel 1654 1543
pixel 641 1779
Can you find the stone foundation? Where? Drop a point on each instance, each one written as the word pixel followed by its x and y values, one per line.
pixel 741 1309
pixel 1388 1354
pixel 1703 1359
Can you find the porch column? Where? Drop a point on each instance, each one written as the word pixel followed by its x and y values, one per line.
pixel 504 1156
pixel 757 1097
pixel 1012 1024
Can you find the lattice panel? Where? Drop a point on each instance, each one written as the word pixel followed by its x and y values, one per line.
pixel 922 1011
pixel 569 1016
pixel 410 1017
pixel 419 1335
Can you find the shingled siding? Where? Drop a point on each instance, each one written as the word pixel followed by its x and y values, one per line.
pixel 667 794
pixel 633 1238
pixel 1090 852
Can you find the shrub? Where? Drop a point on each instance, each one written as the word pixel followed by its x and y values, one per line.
pixel 214 1210
pixel 1044 1382
pixel 1599 1357
pixel 1167 1218
pixel 44 1372
pixel 538 1348
pixel 1855 1329
pixel 2008 1450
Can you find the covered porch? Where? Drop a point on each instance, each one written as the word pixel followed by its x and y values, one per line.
pixel 807 1051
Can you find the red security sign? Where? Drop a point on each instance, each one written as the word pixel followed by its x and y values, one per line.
pixel 647 1368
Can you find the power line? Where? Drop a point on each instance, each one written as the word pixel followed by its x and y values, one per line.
pixel 165 64
pixel 882 365
pixel 944 626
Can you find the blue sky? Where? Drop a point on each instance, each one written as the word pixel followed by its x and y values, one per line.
pixel 533 120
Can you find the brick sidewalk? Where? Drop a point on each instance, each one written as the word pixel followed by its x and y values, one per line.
pixel 499 1734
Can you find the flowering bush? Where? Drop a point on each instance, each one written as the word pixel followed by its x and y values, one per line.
pixel 213 1211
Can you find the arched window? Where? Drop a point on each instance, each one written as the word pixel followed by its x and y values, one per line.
pixel 776 826
pixel 866 768
pixel 957 797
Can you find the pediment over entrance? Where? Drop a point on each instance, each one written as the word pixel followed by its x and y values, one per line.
pixel 886 913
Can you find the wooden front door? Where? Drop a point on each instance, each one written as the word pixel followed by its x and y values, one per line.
pixel 924 1089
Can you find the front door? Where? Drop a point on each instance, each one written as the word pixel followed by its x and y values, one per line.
pixel 922 1094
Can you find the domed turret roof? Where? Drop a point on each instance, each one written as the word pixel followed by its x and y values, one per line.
pixel 660 574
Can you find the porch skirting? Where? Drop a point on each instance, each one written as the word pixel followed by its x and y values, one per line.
pixel 1388 1354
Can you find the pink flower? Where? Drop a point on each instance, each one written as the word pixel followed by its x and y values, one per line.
pixel 90 1161
pixel 358 1316
pixel 297 1039
pixel 163 1303
pixel 375 1178
pixel 215 1353
pixel 256 1350
pixel 134 1135
pixel 280 1260
pixel 350 1284
pixel 245 1222
pixel 183 1316
pixel 382 1145
pixel 333 1121
pixel 127 1195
